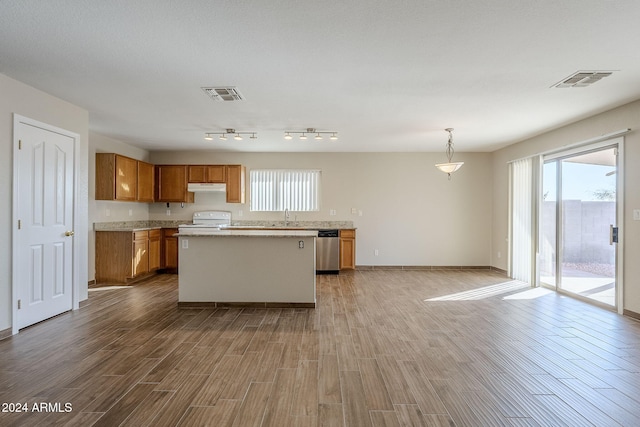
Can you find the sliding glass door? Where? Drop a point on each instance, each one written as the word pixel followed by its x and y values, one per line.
pixel 577 250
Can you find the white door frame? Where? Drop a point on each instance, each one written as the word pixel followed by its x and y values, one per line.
pixel 75 290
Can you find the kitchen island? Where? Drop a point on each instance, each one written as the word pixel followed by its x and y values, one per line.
pixel 255 268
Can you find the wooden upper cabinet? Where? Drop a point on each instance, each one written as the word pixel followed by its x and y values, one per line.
pixel 171 184
pixel 116 177
pixel 235 183
pixel 207 173
pixel 145 190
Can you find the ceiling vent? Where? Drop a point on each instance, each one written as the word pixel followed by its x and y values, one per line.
pixel 582 79
pixel 223 93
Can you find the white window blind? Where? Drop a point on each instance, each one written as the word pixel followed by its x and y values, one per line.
pixel 280 189
pixel 522 232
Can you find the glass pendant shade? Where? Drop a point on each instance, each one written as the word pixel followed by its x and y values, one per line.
pixel 449 167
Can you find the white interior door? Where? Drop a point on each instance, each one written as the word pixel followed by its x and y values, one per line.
pixel 43 249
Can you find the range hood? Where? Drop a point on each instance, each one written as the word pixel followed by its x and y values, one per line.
pixel 202 187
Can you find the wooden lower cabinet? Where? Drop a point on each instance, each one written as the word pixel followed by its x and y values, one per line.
pixel 347 249
pixel 123 256
pixel 140 259
pixel 169 249
pixel 155 249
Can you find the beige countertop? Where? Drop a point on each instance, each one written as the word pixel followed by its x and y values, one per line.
pixel 236 225
pixel 264 232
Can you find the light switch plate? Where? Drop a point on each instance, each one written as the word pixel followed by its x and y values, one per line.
pixel 636 214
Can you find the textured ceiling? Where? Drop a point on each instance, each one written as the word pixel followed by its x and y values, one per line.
pixel 386 75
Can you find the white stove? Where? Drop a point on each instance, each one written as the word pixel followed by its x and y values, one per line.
pixel 207 222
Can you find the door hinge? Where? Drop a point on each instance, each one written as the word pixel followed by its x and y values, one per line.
pixel 19 304
pixel 19 144
pixel 19 224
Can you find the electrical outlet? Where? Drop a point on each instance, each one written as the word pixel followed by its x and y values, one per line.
pixel 375 252
pixel 332 212
pixel 636 214
pixel 499 254
pixel 240 212
pixel 130 212
pixel 107 212
pixel 185 244
pixel 168 212
pixel 301 244
pixel 359 213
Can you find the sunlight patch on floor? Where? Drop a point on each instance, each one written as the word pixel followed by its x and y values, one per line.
pixel 532 293
pixel 482 293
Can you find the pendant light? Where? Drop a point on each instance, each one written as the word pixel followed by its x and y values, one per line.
pixel 449 167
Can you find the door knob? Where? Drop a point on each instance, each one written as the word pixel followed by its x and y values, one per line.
pixel 68 233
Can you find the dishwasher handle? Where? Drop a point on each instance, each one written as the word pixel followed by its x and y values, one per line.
pixel 328 233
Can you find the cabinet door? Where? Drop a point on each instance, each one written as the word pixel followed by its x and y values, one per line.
pixel 197 173
pixel 145 182
pixel 235 183
pixel 126 178
pixel 140 261
pixel 170 248
pixel 217 174
pixel 105 176
pixel 347 249
pixel 207 173
pixel 154 249
pixel 171 184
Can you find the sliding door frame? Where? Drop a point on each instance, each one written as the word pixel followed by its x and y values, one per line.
pixel 618 143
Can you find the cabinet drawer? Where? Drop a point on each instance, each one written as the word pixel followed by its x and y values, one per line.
pixel 141 235
pixel 347 233
pixel 155 234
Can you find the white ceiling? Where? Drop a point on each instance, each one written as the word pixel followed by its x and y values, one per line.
pixel 387 75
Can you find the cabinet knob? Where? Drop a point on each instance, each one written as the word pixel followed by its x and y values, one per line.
pixel 68 233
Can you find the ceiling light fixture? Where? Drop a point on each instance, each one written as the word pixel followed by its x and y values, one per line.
pixel 303 134
pixel 223 135
pixel 449 167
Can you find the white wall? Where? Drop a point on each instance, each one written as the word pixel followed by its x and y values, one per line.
pixel 627 116
pixel 106 211
pixel 18 98
pixel 411 213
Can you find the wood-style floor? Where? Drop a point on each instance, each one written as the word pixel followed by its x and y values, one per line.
pixel 372 353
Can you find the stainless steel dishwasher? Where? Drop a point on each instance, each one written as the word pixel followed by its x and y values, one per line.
pixel 328 252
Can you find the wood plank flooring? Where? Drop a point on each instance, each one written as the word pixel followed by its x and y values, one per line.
pixel 374 352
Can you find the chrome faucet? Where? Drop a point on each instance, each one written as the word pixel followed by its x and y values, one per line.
pixel 286 217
